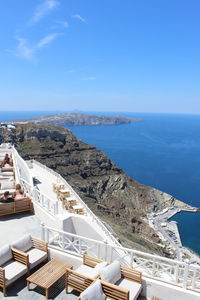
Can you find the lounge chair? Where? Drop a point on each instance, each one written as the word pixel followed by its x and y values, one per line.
pixel 13 265
pixel 85 274
pixel 100 290
pixel 35 250
pixel 125 277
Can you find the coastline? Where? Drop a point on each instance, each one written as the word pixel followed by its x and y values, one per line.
pixel 169 233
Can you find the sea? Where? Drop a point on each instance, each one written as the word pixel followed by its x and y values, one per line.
pixel 163 151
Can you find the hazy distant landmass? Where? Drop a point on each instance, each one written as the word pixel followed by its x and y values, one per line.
pixel 68 119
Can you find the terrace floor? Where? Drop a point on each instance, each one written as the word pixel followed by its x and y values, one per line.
pixel 15 226
pixel 19 291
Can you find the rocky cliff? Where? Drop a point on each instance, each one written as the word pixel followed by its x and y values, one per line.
pixel 119 200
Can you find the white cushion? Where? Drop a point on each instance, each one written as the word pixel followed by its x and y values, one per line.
pixel 100 265
pixel 133 287
pixel 94 291
pixel 13 271
pixel 24 243
pixel 36 256
pixel 7 169
pixel 111 273
pixel 7 185
pixel 5 174
pixel 5 254
pixel 87 271
pixel 10 190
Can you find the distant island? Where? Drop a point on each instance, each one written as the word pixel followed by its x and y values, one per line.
pixel 75 119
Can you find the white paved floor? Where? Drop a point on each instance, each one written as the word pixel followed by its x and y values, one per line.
pixel 13 227
pixel 44 182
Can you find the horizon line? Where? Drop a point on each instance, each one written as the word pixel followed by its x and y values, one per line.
pixel 101 111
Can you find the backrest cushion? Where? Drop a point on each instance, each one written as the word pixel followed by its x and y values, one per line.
pixel 100 266
pixel 94 291
pixel 5 254
pixel 111 273
pixel 24 243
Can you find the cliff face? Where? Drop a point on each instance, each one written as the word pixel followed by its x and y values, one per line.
pixel 109 192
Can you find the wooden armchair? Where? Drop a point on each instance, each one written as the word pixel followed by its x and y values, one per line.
pixel 13 265
pixel 111 291
pixel 35 250
pixel 123 277
pixel 77 281
pixel 84 275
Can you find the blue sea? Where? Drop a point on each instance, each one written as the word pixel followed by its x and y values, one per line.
pixel 163 152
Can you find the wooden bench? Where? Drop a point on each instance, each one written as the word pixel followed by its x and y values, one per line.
pixel 15 207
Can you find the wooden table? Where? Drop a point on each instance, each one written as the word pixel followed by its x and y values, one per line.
pixel 46 276
pixel 78 208
pixel 63 193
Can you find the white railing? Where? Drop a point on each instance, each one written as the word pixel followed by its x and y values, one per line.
pixel 21 168
pixel 94 217
pixel 152 266
pixel 48 204
pixel 45 202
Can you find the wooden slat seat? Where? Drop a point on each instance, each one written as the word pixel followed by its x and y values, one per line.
pixel 112 291
pixel 18 206
pixel 128 278
pixel 79 281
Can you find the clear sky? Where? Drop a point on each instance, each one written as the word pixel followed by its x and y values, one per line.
pixel 100 55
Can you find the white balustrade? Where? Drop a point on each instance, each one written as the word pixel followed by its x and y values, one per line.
pixel 22 169
pixel 94 217
pixel 152 266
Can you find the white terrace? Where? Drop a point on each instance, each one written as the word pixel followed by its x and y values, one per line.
pixel 71 235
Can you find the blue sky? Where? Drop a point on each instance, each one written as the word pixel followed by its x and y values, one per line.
pixel 102 55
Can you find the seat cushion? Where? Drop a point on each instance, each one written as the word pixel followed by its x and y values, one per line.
pixel 94 291
pixel 7 185
pixel 87 271
pixel 13 271
pixel 36 256
pixel 133 287
pixel 5 254
pixel 111 273
pixel 24 243
pixel 6 173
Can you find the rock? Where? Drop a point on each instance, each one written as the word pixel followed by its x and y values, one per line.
pixel 116 198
